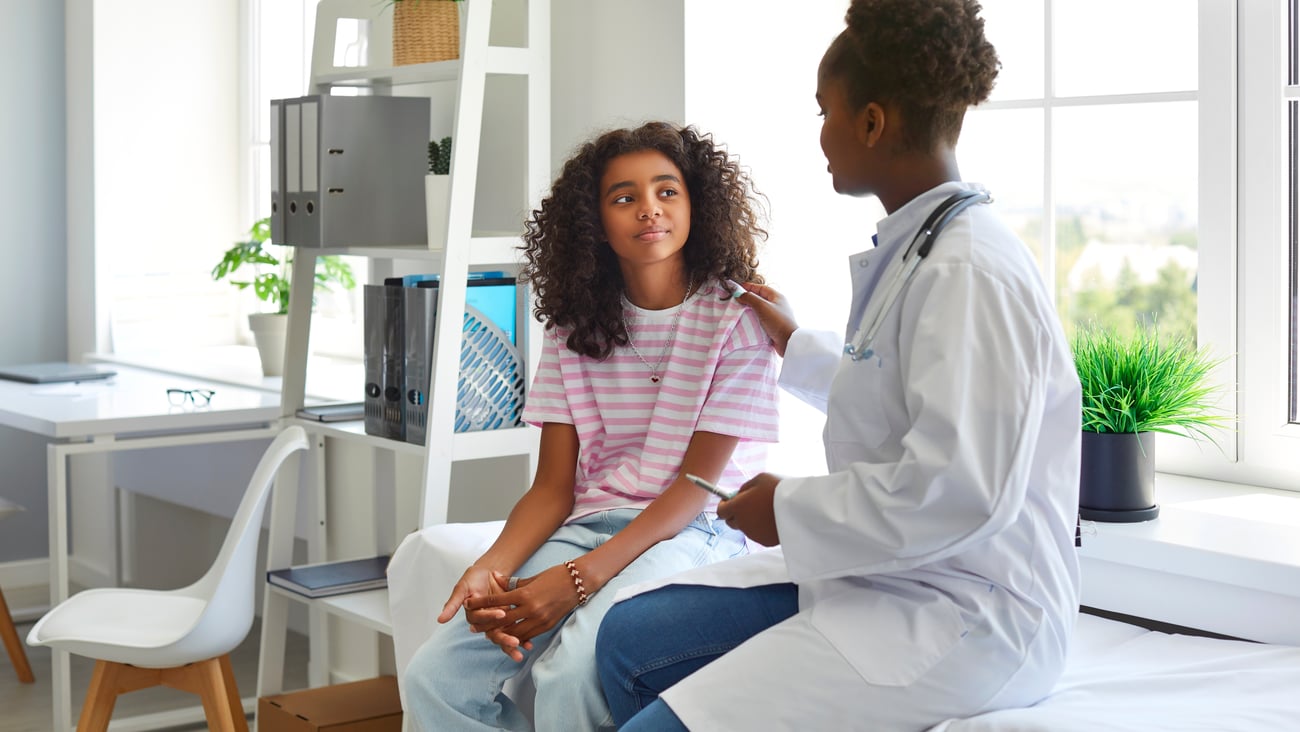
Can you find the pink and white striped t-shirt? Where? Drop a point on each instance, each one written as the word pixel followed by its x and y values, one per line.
pixel 720 377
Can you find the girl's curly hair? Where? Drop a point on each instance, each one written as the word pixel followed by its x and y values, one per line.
pixel 574 273
pixel 929 57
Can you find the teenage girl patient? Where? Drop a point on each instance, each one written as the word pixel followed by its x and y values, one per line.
pixel 649 371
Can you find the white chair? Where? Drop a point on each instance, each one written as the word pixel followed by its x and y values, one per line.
pixel 178 638
pixel 17 656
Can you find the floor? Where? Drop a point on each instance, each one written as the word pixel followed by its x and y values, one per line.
pixel 29 707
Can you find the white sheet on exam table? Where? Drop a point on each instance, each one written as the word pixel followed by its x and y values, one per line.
pixel 1121 678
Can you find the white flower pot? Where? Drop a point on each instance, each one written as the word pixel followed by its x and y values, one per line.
pixel 269 334
pixel 437 202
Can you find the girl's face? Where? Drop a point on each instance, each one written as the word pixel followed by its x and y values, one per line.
pixel 644 208
pixel 842 138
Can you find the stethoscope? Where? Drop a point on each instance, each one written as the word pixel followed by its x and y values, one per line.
pixel 860 346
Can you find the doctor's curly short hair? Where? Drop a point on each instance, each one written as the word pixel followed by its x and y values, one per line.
pixel 574 273
pixel 929 57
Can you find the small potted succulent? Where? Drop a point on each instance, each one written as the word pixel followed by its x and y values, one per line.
pixel 268 277
pixel 437 191
pixel 1134 386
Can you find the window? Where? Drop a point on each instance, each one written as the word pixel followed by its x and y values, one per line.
pixel 1092 156
pixel 1266 265
pixel 176 189
pixel 281 34
pixel 1108 143
pixel 279 65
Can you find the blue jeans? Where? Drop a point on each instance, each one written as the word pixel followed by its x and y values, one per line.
pixel 651 641
pixel 455 680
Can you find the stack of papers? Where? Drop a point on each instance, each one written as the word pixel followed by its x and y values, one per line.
pixel 333 578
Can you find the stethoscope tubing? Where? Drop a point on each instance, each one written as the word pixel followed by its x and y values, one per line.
pixel 880 304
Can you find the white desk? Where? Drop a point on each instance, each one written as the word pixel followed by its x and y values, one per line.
pixel 130 411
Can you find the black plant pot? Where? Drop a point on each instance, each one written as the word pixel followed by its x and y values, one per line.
pixel 1117 477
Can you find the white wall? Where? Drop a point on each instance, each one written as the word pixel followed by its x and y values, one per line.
pixel 32 286
pixel 614 63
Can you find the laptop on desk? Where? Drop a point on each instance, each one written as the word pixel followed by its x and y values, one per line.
pixel 54 372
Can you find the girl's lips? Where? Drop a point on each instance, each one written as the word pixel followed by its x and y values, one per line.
pixel 652 234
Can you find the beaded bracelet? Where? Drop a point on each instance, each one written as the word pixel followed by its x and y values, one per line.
pixel 577 583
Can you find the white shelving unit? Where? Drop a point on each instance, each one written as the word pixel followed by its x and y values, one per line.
pixel 465 249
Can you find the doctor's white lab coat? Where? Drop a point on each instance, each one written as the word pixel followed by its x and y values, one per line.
pixel 947 519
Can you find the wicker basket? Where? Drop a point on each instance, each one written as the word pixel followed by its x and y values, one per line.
pixel 425 31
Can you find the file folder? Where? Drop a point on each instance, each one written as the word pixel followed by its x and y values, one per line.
pixel 400 317
pixel 421 308
pixel 277 171
pixel 383 305
pixel 353 171
pixel 292 172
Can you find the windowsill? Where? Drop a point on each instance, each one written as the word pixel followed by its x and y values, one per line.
pixel 329 379
pixel 1220 557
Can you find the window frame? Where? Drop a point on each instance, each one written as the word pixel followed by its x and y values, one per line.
pixel 1267 440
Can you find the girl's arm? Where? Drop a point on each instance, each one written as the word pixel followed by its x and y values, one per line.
pixel 706 456
pixel 537 514
pixel 542 601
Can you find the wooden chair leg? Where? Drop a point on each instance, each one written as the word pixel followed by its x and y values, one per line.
pixel 208 680
pixel 100 697
pixel 13 645
pixel 232 694
pixel 213 680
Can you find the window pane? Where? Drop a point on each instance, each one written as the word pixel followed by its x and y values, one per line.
pixel 1293 239
pixel 1015 28
pixel 1293 43
pixel 1126 190
pixel 1124 46
pixel 1003 150
pixel 1293 213
pixel 284 49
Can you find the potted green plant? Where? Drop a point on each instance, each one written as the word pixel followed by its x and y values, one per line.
pixel 267 275
pixel 1134 385
pixel 437 191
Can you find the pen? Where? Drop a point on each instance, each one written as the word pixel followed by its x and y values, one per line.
pixel 706 485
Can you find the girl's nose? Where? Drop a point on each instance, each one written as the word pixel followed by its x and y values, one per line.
pixel 651 211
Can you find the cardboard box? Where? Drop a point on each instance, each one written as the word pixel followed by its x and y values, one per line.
pixel 371 705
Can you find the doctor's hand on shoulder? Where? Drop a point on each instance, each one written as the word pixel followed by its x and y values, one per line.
pixel 751 511
pixel 773 310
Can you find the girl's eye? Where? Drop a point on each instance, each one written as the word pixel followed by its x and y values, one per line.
pixel 668 192
pixel 623 199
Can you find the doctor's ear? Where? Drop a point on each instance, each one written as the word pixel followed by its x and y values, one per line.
pixel 871 124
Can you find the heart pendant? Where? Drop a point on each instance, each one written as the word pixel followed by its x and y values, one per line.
pixel 654 379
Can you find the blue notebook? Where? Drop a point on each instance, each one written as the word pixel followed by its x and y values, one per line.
pixel 333 578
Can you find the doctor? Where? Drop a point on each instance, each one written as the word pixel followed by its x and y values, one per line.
pixel 932 574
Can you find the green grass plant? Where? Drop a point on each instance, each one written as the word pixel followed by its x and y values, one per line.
pixel 1139 383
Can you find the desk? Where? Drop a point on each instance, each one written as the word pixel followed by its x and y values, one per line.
pixel 130 411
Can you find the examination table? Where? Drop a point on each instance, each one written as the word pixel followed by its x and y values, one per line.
pixel 1120 677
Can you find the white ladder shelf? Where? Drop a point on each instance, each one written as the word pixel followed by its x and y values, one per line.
pixel 464 249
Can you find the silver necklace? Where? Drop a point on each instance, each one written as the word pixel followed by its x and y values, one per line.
pixel 672 337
